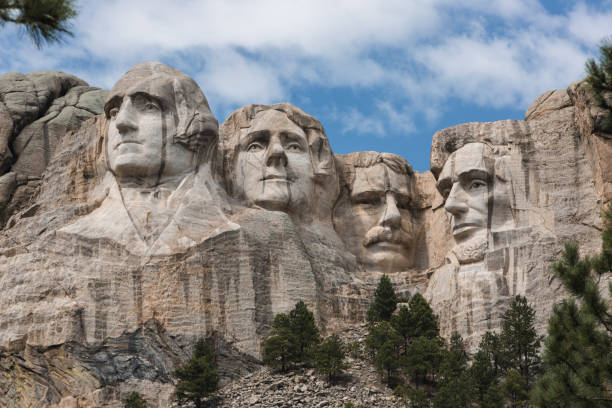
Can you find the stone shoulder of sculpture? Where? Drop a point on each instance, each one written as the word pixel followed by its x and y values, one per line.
pixel 160 140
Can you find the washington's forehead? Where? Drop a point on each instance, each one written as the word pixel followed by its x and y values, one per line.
pixel 379 178
pixel 274 121
pixel 471 157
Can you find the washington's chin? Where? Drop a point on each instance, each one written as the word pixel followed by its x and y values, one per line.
pixel 127 165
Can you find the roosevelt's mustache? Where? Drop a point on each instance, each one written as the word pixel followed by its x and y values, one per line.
pixel 386 234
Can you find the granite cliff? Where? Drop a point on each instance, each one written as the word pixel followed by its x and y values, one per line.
pixel 133 224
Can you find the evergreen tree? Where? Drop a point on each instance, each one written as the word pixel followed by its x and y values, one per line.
pixel 303 327
pixel 329 357
pixel 520 340
pixel 282 347
pixel 385 301
pixel 386 360
pixel 384 345
pixel 422 360
pixel 483 377
pixel 198 378
pixel 455 387
pixel 578 352
pixel 422 319
pixel 515 388
pixel 493 350
pixel 135 400
pixel 599 80
pixel 418 398
pixel 43 20
pixel 402 323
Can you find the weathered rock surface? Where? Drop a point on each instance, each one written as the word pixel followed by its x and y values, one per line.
pixel 133 225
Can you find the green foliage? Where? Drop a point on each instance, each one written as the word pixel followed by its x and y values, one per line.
pixel 386 359
pixel 402 323
pixel 381 333
pixel 424 321
pixel 293 338
pixel 515 388
pixel 456 385
pixel 329 357
pixel 418 398
pixel 353 349
pixel 599 80
pixel 302 324
pixel 135 400
pixel 385 301
pixel 422 361
pixel 349 404
pixel 578 347
pixel 493 397
pixel 198 378
pixel 44 20
pixel 520 340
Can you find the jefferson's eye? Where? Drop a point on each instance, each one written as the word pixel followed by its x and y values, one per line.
pixel 446 192
pixel 477 184
pixel 255 147
pixel 294 147
pixel 113 113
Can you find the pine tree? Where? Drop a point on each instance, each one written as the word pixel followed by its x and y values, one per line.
pixel 303 327
pixel 135 400
pixel 329 357
pixel 422 361
pixel 281 348
pixel 422 318
pixel 520 340
pixel 483 376
pixel 599 80
pixel 385 301
pixel 455 387
pixel 402 323
pixel 384 344
pixel 44 20
pixel 578 352
pixel 515 388
pixel 198 378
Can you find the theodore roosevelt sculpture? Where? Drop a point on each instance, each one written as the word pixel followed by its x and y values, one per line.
pixel 160 138
pixel 373 216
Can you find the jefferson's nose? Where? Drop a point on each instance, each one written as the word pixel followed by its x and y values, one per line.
pixel 276 153
pixel 391 216
pixel 455 203
pixel 124 121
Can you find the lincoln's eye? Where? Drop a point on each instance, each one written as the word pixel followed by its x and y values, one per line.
pixel 477 184
pixel 294 147
pixel 255 147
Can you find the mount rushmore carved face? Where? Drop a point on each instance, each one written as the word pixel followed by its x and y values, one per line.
pixel 159 124
pixel 274 166
pixel 466 182
pixel 375 218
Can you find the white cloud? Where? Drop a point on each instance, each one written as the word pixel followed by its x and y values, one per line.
pixel 411 54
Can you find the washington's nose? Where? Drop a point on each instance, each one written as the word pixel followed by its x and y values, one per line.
pixel 391 216
pixel 276 154
pixel 455 204
pixel 124 120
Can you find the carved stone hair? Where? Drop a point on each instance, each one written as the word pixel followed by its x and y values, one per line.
pixel 196 127
pixel 368 159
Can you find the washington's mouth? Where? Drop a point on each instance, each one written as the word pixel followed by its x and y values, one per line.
pixel 386 245
pixel 127 142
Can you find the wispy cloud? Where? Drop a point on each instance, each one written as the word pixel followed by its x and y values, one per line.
pixel 411 55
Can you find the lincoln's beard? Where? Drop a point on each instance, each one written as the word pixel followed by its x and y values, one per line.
pixel 472 249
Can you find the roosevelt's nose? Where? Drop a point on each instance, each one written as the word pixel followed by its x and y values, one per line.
pixel 455 202
pixel 391 216
pixel 124 121
pixel 275 155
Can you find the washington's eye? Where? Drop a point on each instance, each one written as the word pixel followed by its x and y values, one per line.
pixel 255 147
pixel 151 106
pixel 113 113
pixel 477 184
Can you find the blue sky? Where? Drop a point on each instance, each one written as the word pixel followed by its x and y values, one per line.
pixel 380 75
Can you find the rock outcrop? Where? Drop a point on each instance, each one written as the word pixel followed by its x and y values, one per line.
pixel 133 224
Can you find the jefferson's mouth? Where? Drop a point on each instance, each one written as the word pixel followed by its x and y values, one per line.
pixel 465 227
pixel 275 177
